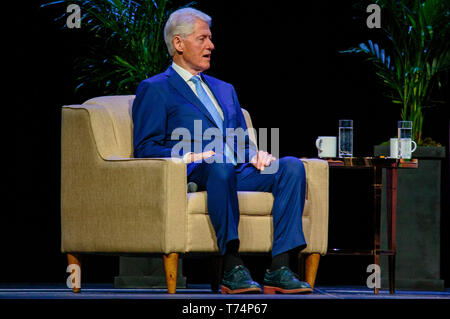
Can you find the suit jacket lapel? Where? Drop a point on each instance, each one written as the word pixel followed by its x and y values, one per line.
pixel 183 88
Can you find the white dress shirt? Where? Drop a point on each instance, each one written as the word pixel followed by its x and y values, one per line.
pixel 186 76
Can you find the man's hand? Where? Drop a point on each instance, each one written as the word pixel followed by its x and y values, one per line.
pixel 193 157
pixel 261 160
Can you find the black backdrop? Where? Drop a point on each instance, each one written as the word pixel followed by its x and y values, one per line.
pixel 282 59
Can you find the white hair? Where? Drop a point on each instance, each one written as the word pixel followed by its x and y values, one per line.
pixel 181 22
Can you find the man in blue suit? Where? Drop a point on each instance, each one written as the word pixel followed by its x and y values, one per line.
pixel 183 99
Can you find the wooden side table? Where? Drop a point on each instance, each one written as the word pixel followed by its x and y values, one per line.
pixel 376 164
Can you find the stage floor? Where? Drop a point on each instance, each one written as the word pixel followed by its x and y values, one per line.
pixel 107 291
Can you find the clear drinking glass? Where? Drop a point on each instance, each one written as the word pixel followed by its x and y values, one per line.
pixel 345 138
pixel 404 139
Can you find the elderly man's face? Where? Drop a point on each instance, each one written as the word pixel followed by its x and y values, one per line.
pixel 194 51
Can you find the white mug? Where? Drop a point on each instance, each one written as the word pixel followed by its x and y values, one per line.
pixel 406 148
pixel 326 145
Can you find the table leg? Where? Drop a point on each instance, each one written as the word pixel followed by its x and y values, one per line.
pixel 377 192
pixel 391 200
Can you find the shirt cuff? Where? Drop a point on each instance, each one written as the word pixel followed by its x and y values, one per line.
pixel 185 157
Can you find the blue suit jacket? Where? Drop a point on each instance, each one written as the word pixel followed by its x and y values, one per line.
pixel 165 102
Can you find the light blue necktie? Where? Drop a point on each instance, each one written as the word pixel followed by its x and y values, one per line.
pixel 208 103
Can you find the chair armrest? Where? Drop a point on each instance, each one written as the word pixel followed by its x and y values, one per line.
pixel 125 206
pixel 317 180
pixel 117 204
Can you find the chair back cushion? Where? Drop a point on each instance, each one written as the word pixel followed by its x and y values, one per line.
pixel 118 110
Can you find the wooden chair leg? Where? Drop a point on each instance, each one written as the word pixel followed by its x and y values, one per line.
pixel 74 267
pixel 312 264
pixel 171 268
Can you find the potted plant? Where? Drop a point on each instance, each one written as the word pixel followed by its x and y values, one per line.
pixel 126 43
pixel 411 61
pixel 413 56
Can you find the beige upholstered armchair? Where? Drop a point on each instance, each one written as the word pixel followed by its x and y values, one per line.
pixel 114 203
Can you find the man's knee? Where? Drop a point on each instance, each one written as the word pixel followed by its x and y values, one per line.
pixel 292 166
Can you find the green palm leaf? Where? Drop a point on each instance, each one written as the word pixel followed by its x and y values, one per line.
pixel 127 44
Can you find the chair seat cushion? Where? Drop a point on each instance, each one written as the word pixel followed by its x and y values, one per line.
pixel 250 203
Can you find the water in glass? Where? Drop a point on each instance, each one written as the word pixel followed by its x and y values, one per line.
pixel 345 138
pixel 404 139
